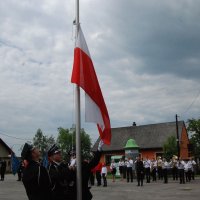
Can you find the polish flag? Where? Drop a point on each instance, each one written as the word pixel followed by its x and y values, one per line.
pixel 84 76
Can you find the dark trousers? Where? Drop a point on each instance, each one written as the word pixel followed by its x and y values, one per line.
pixel 188 175
pixel 98 177
pixel 192 175
pixel 129 174
pixel 165 175
pixel 154 174
pixel 175 173
pixel 160 174
pixel 182 176
pixel 124 171
pixel 147 174
pixel 19 173
pixel 2 175
pixel 104 180
pixel 140 177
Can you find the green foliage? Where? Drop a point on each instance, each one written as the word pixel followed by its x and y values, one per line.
pixel 194 129
pixel 66 140
pixel 170 147
pixel 194 126
pixel 42 141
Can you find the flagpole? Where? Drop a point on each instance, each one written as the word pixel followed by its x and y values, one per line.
pixel 78 121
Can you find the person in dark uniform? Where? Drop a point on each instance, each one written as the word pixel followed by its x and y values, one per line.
pixel 3 169
pixel 35 177
pixel 20 171
pixel 98 173
pixel 59 174
pixel 86 169
pixel 139 167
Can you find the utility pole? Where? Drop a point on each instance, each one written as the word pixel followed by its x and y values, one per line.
pixel 177 137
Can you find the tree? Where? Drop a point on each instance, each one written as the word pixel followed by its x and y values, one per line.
pixel 66 140
pixel 170 147
pixel 194 129
pixel 43 142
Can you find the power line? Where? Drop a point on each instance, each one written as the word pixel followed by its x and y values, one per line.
pixel 24 139
pixel 191 103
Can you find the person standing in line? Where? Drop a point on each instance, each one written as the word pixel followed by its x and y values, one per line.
pixel 147 166
pixel 154 168
pixel 181 165
pixel 159 167
pixel 193 168
pixel 165 167
pixel 186 171
pixel 129 164
pixel 113 169
pixel 174 165
pixel 125 168
pixel 104 174
pixel 121 168
pixel 139 167
pixel 3 169
pixel 35 177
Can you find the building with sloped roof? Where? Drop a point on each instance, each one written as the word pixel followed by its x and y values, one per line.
pixel 5 154
pixel 150 139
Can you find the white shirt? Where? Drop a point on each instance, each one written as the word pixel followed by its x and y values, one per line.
pixel 113 165
pixel 154 163
pixel 189 163
pixel 129 163
pixel 104 170
pixel 73 162
pixel 147 164
pixel 181 164
pixel 121 163
pixel 165 165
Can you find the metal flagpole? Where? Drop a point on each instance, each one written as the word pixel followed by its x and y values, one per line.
pixel 78 121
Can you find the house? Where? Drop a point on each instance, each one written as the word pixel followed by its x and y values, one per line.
pixel 5 154
pixel 150 139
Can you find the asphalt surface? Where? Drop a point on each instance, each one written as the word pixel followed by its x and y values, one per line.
pixel 10 189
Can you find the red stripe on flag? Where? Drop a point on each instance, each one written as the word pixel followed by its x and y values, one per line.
pixel 84 76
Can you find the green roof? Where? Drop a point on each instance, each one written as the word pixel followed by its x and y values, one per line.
pixel 131 144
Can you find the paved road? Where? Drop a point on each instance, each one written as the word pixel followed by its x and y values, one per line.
pixel 11 189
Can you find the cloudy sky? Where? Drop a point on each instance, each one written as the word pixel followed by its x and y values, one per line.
pixel 146 54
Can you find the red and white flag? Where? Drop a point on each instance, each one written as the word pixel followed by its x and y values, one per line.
pixel 84 76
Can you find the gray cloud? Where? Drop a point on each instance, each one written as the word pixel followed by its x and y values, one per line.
pixel 146 55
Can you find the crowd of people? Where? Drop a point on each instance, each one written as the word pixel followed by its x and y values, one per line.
pixel 155 169
pixel 58 180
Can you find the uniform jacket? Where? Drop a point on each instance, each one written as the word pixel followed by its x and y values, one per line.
pixel 86 170
pixel 139 167
pixel 60 178
pixel 36 182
